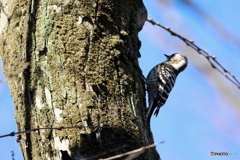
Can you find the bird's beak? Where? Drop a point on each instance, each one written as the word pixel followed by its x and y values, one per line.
pixel 168 57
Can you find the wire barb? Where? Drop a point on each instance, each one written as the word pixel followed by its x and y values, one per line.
pixel 212 59
pixel 61 128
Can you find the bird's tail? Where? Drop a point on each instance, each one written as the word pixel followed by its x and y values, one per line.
pixel 150 110
pixel 156 112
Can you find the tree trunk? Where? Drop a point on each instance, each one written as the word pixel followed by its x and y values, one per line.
pixel 84 72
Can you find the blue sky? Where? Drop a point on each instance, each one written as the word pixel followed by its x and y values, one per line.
pixel 202 113
pixel 198 117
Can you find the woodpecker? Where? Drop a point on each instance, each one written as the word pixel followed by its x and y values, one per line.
pixel 160 81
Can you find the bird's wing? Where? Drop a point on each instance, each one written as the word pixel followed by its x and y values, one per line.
pixel 166 80
pixel 152 89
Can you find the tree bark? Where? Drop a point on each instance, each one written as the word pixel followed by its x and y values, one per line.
pixel 84 72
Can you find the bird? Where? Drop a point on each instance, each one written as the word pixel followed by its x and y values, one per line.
pixel 160 81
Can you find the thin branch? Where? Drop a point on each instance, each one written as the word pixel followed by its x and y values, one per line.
pixel 133 154
pixel 211 59
pixel 107 152
pixel 60 128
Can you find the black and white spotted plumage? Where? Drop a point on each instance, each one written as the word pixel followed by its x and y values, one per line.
pixel 161 80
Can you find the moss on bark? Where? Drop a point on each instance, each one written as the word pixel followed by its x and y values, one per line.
pixel 84 72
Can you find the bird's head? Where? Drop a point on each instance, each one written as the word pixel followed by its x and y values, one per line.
pixel 178 61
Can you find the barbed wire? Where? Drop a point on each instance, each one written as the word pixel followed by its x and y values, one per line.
pixel 12 155
pixel 131 154
pixel 211 59
pixel 60 128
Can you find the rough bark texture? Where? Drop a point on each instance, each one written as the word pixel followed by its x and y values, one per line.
pixel 84 72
